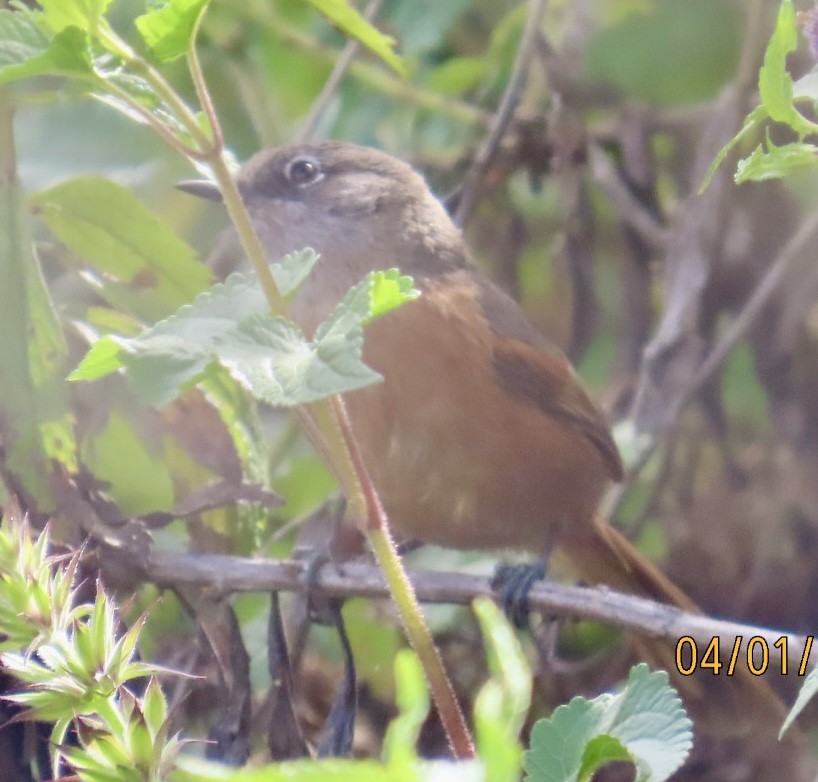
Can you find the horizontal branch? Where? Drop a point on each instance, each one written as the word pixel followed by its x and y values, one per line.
pixel 227 574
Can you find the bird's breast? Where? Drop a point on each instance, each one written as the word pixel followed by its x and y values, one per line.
pixel 456 459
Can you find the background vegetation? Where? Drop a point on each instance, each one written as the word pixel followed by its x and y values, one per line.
pixel 589 213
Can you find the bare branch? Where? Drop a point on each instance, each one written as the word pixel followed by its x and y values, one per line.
pixel 333 81
pixel 505 113
pixel 237 574
pixel 626 204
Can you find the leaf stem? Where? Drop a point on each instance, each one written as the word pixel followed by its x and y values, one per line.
pixel 368 506
pixel 202 93
pixel 327 424
pixel 203 144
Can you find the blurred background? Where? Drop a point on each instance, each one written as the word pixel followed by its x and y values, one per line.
pixel 589 214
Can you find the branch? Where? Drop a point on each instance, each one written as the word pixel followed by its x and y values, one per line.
pixel 505 113
pixel 646 617
pixel 333 81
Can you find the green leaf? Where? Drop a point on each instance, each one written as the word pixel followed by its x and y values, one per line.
pixel 168 30
pixel 34 407
pixel 457 75
pixel 139 480
pixel 105 224
pixel 645 724
pixel 154 707
pixel 754 119
pixel 805 695
pixel 347 19
pixel 26 51
pixel 269 356
pixel 502 704
pixel 293 270
pixel 412 699
pixel 273 360
pixel 600 751
pixel 192 769
pixel 102 359
pixel 774 82
pixel 776 162
pixel 507 663
pixel 389 290
pixel 84 14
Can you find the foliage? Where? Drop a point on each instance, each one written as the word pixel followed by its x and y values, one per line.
pixel 112 274
pixel 645 724
pixel 77 670
pixel 780 99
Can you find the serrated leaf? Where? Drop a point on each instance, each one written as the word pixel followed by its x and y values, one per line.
pixel 276 363
pixel 652 724
pixel 26 51
pixel 805 695
pixel 293 270
pixel 646 722
pixel 347 19
pixel 269 356
pixel 776 162
pixel 168 30
pixel 105 224
pixel 774 82
pixel 389 290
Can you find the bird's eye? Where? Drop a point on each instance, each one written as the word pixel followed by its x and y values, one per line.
pixel 303 171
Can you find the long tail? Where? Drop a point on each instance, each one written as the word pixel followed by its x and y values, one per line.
pixel 609 558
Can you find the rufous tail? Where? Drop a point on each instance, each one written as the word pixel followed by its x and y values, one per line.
pixel 609 558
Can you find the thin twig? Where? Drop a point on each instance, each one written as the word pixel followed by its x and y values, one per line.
pixel 239 574
pixel 339 70
pixel 628 207
pixel 752 308
pixel 202 93
pixel 740 325
pixel 505 113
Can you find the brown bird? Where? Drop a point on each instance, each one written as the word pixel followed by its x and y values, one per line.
pixel 481 435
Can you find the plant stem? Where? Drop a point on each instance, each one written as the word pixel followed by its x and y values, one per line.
pixel 327 424
pixel 386 554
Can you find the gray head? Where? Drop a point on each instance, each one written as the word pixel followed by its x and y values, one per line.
pixel 346 200
pixel 360 208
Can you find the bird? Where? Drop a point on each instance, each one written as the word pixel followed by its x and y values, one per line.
pixel 481 435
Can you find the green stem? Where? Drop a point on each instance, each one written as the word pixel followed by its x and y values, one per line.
pixel 162 130
pixel 248 237
pixel 368 506
pixel 202 93
pixel 328 426
pixel 168 95
pixel 371 75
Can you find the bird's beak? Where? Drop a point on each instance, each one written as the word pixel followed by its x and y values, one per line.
pixel 201 188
